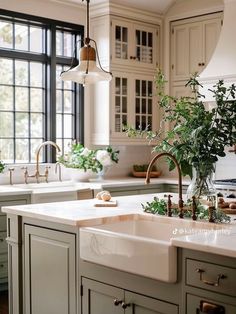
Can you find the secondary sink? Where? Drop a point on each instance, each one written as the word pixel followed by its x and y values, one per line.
pixel 141 245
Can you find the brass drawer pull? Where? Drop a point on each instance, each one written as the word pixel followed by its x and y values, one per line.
pixel 208 282
pixel 210 308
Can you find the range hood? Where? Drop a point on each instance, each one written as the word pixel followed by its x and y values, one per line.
pixel 222 65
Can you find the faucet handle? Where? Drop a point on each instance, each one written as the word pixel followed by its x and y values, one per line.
pixel 47 173
pixel 25 174
pixel 169 204
pixel 11 169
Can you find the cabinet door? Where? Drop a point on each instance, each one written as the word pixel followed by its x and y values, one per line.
pixel 99 298
pixel 139 304
pixel 133 105
pixel 50 271
pixel 193 42
pixel 134 44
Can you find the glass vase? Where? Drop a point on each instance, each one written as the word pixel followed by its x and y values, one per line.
pixel 202 186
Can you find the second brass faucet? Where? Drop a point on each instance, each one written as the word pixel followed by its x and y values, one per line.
pixel 147 181
pixel 37 174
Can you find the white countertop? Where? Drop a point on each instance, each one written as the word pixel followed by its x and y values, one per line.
pixel 84 213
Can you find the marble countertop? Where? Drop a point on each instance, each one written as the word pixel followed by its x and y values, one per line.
pixel 84 213
pixel 93 184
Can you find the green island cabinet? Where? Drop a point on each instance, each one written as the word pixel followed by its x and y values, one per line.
pixel 5 201
pixel 48 276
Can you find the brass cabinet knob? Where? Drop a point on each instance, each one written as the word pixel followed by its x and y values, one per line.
pixel 117 302
pixel 124 305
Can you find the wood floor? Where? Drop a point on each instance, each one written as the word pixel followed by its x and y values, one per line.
pixel 3 302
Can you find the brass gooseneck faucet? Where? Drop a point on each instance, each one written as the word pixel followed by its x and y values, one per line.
pixel 37 174
pixel 147 181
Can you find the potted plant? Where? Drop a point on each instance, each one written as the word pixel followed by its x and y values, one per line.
pixel 2 166
pixel 84 163
pixel 198 136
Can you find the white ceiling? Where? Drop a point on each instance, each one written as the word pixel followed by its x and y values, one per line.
pixel 157 6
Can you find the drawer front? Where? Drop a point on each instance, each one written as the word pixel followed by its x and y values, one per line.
pixel 3 242
pixel 3 223
pixel 196 304
pixel 211 277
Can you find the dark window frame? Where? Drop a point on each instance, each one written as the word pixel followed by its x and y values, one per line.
pixel 51 61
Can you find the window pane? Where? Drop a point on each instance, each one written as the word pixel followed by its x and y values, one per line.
pixel 59 101
pixel 68 45
pixel 36 37
pixel 6 124
pixel 36 125
pixel 67 143
pixel 59 43
pixel 22 124
pixel 6 98
pixel 36 99
pixel 22 150
pixel 6 148
pixel 6 73
pixel 34 145
pixel 21 68
pixel 6 34
pixel 67 126
pixel 59 126
pixel 36 74
pixel 22 99
pixel 58 78
pixel 21 37
pixel 68 101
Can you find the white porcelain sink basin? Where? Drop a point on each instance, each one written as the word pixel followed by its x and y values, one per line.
pixel 140 246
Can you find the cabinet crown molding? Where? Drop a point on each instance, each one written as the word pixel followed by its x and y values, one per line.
pixel 131 13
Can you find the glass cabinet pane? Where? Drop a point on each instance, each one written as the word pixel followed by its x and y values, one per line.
pixel 143 105
pixel 144 46
pixel 121 42
pixel 121 103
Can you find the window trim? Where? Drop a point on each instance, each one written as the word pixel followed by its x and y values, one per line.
pixel 51 25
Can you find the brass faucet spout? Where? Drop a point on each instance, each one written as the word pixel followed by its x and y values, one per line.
pixel 37 173
pixel 147 181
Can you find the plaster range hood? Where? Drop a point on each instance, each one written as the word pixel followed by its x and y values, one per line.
pixel 222 65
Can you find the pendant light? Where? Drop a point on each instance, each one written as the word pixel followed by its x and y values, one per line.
pixel 87 72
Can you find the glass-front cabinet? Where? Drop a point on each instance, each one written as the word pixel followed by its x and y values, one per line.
pixel 133 104
pixel 134 44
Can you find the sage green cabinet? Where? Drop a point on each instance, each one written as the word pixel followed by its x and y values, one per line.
pixel 7 201
pixel 100 298
pixel 50 271
pixel 209 283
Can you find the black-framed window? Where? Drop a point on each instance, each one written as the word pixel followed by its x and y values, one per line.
pixel 35 105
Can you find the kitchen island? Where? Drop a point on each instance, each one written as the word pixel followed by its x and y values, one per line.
pixel 47 275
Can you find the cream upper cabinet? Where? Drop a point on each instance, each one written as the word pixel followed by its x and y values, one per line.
pixel 134 44
pixel 131 102
pixel 130 50
pixel 192 44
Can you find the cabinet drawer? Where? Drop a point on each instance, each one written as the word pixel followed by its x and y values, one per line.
pixel 3 223
pixel 3 243
pixel 195 304
pixel 211 277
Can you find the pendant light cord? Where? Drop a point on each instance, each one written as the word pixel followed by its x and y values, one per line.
pixel 86 42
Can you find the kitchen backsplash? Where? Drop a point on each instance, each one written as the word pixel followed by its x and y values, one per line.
pixel 129 155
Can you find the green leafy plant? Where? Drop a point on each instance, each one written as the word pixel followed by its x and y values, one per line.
pixel 2 166
pixel 80 157
pixel 143 168
pixel 198 136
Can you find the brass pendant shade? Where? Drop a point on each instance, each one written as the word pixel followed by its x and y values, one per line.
pixel 87 72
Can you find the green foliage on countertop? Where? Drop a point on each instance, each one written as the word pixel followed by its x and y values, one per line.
pixel 2 166
pixel 159 207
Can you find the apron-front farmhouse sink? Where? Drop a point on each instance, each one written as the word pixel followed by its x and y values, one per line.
pixel 141 245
